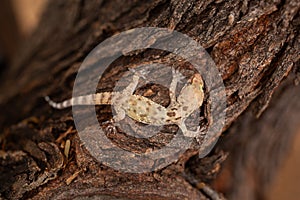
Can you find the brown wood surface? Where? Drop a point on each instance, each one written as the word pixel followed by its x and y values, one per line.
pixel 255 45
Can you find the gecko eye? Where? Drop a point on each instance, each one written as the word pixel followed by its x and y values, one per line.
pixel 197 80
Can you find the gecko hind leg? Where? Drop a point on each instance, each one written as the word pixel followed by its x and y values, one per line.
pixel 129 90
pixel 139 73
pixel 121 99
pixel 120 114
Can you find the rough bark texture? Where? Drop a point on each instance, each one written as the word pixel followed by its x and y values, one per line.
pixel 255 45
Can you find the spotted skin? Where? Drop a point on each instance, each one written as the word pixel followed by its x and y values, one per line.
pixel 143 109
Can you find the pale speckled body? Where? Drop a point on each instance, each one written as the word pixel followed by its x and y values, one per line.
pixel 143 109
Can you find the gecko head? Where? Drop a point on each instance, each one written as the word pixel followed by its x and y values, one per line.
pixel 197 81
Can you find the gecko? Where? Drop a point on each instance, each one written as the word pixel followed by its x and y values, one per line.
pixel 143 109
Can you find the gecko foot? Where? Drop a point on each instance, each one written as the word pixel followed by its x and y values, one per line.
pixel 139 73
pixel 193 133
pixel 109 126
pixel 177 76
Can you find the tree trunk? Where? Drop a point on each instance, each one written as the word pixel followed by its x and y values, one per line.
pixel 255 45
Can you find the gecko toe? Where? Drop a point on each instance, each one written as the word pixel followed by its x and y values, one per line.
pixel 139 73
pixel 176 74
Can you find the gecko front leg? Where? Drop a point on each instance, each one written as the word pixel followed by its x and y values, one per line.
pixel 176 77
pixel 189 100
pixel 188 133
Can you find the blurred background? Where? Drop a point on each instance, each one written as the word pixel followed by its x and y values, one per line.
pixel 19 18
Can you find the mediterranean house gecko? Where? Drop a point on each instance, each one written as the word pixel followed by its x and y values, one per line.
pixel 143 109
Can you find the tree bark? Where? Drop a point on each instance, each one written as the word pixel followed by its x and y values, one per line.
pixel 255 45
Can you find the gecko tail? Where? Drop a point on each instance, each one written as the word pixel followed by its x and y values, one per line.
pixel 91 99
pixel 61 105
